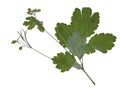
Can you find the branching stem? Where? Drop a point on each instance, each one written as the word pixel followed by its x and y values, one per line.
pixel 25 34
pixel 24 38
pixel 82 67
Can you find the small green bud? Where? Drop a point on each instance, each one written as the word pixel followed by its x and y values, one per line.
pixel 29 11
pixel 20 48
pixel 13 41
pixel 38 10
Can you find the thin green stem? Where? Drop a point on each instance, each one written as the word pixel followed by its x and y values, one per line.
pixel 82 67
pixel 41 53
pixel 20 35
pixel 82 62
pixel 24 38
pixel 35 49
pixel 51 35
pixel 55 39
pixel 88 76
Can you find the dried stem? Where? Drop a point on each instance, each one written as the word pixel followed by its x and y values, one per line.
pixel 55 40
pixel 82 67
pixel 24 38
pixel 88 76
pixel 41 53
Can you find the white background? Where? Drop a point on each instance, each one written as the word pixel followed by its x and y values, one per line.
pixel 26 70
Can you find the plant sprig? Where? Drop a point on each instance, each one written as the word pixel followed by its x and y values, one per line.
pixel 72 37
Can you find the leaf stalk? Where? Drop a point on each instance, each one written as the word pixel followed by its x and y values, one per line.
pixel 88 76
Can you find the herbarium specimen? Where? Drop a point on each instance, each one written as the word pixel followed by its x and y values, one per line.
pixel 72 37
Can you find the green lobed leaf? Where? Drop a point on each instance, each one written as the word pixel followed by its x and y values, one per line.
pixel 89 49
pixel 77 44
pixel 64 61
pixel 40 26
pixel 102 42
pixel 63 31
pixel 84 21
pixel 32 22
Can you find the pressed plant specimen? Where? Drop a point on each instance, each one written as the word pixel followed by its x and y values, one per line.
pixel 75 38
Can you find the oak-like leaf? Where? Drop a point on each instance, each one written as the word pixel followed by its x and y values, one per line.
pixel 63 31
pixel 31 22
pixel 63 61
pixel 102 42
pixel 84 22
